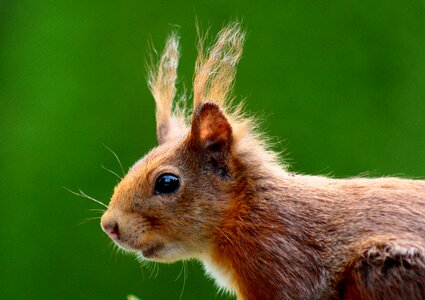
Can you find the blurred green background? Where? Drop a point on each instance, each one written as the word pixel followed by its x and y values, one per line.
pixel 340 83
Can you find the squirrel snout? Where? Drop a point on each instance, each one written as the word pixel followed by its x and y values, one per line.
pixel 110 225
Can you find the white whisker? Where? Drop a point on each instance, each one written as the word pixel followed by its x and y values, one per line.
pixel 116 156
pixel 88 220
pixel 152 267
pixel 180 273
pixel 157 270
pixel 80 193
pixel 112 172
pixel 184 265
pixel 97 210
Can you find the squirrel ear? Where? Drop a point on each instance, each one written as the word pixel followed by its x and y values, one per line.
pixel 211 131
pixel 161 80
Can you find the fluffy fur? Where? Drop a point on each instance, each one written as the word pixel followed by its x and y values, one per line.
pixel 261 231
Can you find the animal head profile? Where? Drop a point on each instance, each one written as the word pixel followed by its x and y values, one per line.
pixel 173 201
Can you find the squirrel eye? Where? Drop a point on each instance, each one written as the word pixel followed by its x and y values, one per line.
pixel 166 184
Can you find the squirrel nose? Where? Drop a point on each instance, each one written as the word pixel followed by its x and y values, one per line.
pixel 111 228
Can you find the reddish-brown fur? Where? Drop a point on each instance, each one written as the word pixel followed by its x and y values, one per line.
pixel 261 231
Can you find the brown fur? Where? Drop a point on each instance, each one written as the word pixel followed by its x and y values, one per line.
pixel 261 231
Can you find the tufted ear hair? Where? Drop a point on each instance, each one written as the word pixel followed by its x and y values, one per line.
pixel 211 132
pixel 215 69
pixel 162 83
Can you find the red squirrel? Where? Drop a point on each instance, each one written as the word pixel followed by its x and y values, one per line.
pixel 213 191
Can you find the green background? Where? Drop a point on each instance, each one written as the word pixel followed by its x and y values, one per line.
pixel 341 85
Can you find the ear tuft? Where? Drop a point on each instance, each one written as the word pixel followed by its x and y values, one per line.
pixel 211 130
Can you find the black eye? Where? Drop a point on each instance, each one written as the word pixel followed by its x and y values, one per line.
pixel 166 184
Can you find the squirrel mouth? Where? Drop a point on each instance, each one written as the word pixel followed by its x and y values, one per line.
pixel 150 251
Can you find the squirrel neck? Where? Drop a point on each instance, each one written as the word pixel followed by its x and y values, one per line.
pixel 261 251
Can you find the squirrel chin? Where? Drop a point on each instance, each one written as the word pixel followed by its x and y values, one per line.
pixel 160 252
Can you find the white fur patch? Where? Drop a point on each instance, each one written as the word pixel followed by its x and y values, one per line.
pixel 221 276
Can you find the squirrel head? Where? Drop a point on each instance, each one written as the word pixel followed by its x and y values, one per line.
pixel 170 199
pixel 173 200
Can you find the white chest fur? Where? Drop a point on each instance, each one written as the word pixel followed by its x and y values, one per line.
pixel 222 276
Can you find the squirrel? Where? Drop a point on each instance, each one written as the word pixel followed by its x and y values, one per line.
pixel 212 190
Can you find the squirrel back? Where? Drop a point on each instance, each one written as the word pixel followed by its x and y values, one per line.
pixel 213 191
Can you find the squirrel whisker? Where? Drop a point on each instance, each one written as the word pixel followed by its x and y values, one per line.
pixel 88 220
pixel 80 193
pixel 116 156
pixel 184 268
pixel 112 172
pixel 99 210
